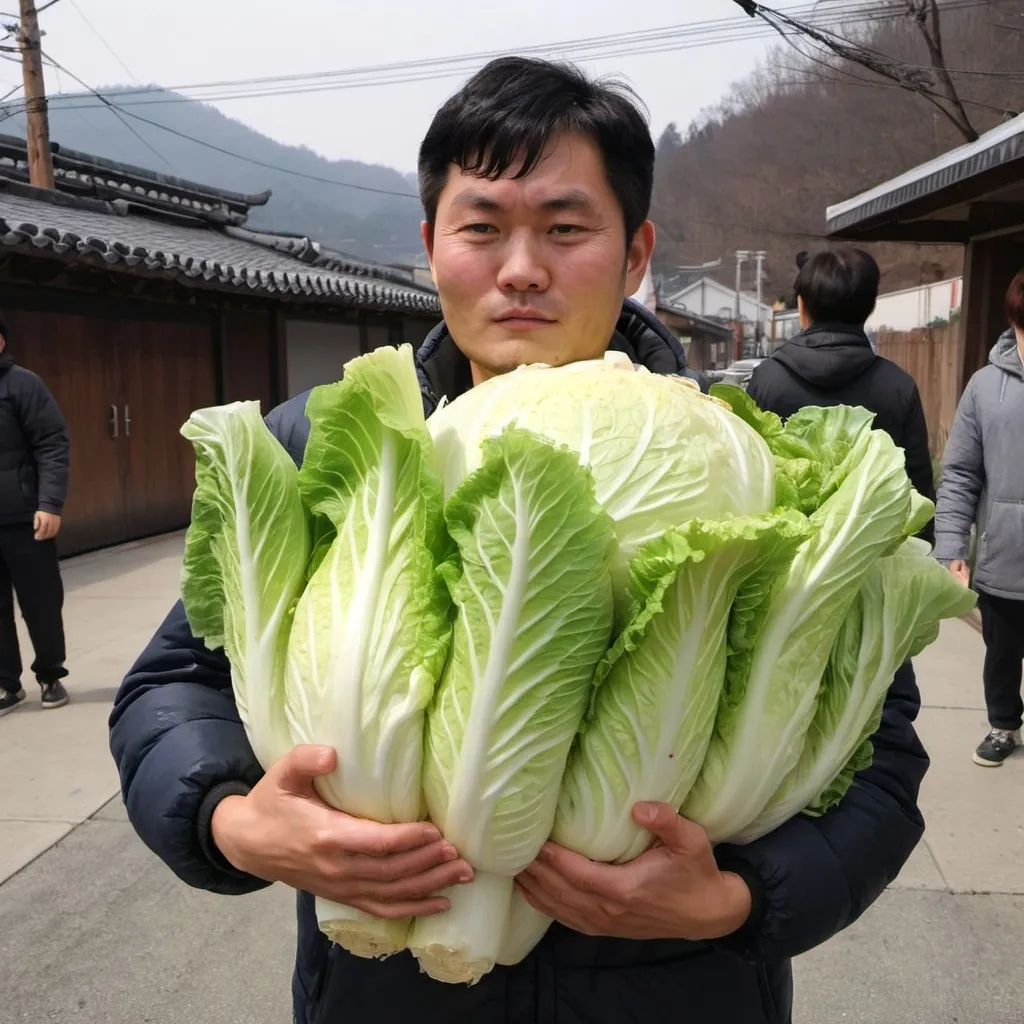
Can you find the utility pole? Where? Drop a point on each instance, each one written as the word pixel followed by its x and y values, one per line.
pixel 759 257
pixel 742 255
pixel 37 121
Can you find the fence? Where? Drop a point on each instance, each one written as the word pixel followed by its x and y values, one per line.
pixel 929 355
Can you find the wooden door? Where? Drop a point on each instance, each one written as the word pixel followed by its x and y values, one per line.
pixel 167 372
pixel 76 356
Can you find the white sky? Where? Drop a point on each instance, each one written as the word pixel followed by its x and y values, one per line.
pixel 190 41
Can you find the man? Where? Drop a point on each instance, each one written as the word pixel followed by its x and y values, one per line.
pixel 832 362
pixel 983 485
pixel 33 486
pixel 536 185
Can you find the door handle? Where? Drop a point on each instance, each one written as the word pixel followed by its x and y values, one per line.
pixel 113 421
pixel 127 423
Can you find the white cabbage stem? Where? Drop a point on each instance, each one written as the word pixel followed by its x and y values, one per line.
pixel 462 944
pixel 361 933
pixel 525 928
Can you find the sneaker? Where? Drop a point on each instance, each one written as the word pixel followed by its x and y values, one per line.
pixel 9 701
pixel 54 696
pixel 996 747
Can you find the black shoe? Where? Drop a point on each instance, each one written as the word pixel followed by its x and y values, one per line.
pixel 54 696
pixel 9 701
pixel 996 747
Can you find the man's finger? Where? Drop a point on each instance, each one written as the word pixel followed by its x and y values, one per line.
pixel 428 883
pixel 674 831
pixel 579 872
pixel 562 892
pixel 402 865
pixel 356 835
pixel 409 908
pixel 296 771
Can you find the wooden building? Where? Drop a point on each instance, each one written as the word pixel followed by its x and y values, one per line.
pixel 972 196
pixel 708 341
pixel 138 298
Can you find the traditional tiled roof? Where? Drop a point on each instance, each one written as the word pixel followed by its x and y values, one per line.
pixel 129 219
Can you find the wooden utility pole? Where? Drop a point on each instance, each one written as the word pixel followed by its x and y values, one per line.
pixel 37 121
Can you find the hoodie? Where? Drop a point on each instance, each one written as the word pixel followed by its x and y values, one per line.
pixel 983 475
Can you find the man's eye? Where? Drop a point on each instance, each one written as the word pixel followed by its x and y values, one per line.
pixel 479 229
pixel 566 229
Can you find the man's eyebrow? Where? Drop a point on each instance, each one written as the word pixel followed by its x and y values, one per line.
pixel 573 199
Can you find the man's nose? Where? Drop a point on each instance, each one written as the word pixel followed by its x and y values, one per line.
pixel 523 268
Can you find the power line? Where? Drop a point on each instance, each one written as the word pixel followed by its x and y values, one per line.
pixel 658 40
pixel 99 36
pixel 113 107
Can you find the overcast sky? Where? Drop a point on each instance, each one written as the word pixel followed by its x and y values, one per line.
pixel 198 41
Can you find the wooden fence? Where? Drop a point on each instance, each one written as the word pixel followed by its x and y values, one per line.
pixel 930 356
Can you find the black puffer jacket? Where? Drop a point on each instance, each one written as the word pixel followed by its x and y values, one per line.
pixel 33 447
pixel 834 364
pixel 180 748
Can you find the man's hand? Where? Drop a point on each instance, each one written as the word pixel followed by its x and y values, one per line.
pixel 961 570
pixel 283 832
pixel 673 891
pixel 46 525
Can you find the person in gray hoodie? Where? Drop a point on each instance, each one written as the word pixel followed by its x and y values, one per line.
pixel 983 486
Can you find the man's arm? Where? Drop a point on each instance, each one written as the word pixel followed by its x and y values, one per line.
pixel 918 456
pixel 812 877
pixel 963 478
pixel 47 436
pixel 180 747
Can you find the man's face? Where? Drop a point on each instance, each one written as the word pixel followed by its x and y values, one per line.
pixel 535 270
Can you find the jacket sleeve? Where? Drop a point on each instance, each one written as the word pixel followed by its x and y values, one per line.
pixel 919 457
pixel 180 747
pixel 758 386
pixel 963 479
pixel 812 877
pixel 44 429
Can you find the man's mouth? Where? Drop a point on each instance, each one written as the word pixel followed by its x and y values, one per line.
pixel 524 319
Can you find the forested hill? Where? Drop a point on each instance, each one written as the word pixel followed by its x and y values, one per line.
pixel 802 132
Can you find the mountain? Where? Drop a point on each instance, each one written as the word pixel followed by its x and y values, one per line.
pixel 369 224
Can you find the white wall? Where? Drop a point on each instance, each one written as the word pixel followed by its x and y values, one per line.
pixel 916 307
pixel 317 352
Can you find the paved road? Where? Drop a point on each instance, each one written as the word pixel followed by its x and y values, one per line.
pixel 94 930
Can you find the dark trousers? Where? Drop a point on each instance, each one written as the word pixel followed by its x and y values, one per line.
pixel 30 568
pixel 1002 624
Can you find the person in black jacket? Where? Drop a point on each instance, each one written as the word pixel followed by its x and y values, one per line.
pixel 536 184
pixel 831 361
pixel 33 486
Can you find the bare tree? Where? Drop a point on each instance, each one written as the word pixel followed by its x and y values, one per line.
pixel 926 15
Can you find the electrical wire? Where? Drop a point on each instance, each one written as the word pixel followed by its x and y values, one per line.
pixel 99 36
pixel 113 108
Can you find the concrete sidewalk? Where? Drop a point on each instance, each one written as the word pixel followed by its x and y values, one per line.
pixel 102 933
pixel 57 767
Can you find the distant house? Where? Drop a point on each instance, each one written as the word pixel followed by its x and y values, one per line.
pixel 709 297
pixel 140 297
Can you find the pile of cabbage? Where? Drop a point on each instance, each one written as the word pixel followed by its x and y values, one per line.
pixel 569 590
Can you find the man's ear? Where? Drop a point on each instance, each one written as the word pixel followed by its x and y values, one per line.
pixel 3 344
pixel 638 256
pixel 427 234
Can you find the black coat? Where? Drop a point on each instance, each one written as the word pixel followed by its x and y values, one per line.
pixel 834 364
pixel 33 447
pixel 180 748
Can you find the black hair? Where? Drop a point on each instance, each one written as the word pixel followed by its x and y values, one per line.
pixel 839 286
pixel 513 108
